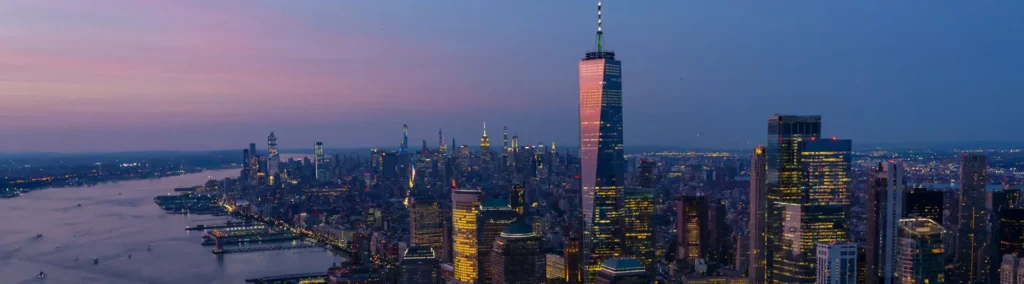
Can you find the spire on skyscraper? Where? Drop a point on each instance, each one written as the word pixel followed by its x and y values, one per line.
pixel 405 137
pixel 485 128
pixel 600 34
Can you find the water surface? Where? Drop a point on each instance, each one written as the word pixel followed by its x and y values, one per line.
pixel 118 219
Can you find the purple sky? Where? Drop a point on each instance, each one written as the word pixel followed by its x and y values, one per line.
pixel 104 75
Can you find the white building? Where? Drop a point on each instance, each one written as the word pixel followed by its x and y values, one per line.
pixel 837 263
pixel 1012 270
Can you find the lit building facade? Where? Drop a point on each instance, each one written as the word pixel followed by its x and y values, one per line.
pixel 819 213
pixel 638 225
pixel 273 156
pixel 623 271
pixel 517 198
pixel 1011 231
pixel 646 177
pixel 885 207
pixel 516 258
pixel 495 216
pixel 426 222
pixel 485 147
pixel 602 163
pixel 691 228
pixel 573 260
pixel 554 267
pixel 972 260
pixel 836 263
pixel 923 203
pixel 420 265
pixel 758 216
pixel 920 259
pixel 1011 270
pixel 784 179
pixel 318 162
pixel 465 210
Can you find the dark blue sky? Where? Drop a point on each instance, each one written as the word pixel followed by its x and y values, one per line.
pixel 201 75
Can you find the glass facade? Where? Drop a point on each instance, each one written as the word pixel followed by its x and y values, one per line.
pixel 818 214
pixel 637 220
pixel 920 257
pixel 602 163
pixel 465 208
pixel 784 177
pixel 972 260
pixel 426 224
pixel 758 215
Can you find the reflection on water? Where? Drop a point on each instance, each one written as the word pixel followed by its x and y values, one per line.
pixel 120 219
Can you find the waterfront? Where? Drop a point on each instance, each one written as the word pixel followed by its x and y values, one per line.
pixel 120 219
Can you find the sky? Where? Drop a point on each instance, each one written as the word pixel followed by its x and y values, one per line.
pixel 106 75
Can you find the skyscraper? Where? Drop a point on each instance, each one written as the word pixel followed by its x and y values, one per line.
pixel 602 164
pixel 554 267
pixel 818 215
pixel 758 215
pixel 638 225
pixel 1011 231
pixel 273 157
pixel 517 198
pixel 691 228
pixel 784 178
pixel 885 208
pixel 646 177
pixel 1011 270
pixel 920 252
pixel 623 271
pixel 494 217
pixel 573 259
pixel 465 209
pixel 405 138
pixel 485 147
pixel 516 257
pixel 923 203
pixel 420 266
pixel 972 261
pixel 319 167
pixel 837 263
pixel 426 222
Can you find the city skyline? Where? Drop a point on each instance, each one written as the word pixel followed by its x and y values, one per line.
pixel 323 72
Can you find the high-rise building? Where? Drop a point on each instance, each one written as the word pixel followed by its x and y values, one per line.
pixel 426 225
pixel 691 228
pixel 920 258
pixel 758 216
pixel 1011 270
pixel 1011 231
pixel 784 178
pixel 516 257
pixel 623 271
pixel 923 203
pixel 405 138
pixel 573 260
pixel 320 167
pixel 246 174
pixel 554 267
pixel 273 156
pixel 420 266
pixel 485 147
pixel 645 177
pixel 719 234
pixel 602 164
pixel 819 213
pixel 837 263
pixel 441 147
pixel 517 198
pixel 465 210
pixel 972 260
pixel 885 208
pixel 638 211
pixel 495 216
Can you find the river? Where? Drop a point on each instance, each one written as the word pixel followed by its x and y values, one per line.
pixel 120 219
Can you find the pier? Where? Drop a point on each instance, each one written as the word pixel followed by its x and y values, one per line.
pixel 289 278
pixel 220 250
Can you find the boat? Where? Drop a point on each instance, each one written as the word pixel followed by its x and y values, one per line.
pixel 39 236
pixel 95 261
pixel 41 275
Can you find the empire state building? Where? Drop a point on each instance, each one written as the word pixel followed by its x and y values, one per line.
pixel 602 163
